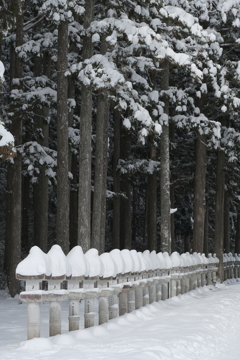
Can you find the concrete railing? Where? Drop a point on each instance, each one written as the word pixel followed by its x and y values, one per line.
pixel 117 282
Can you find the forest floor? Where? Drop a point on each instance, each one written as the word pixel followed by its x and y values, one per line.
pixel 203 324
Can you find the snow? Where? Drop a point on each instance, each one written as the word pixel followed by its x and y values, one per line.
pixel 109 266
pixel 148 261
pixel 35 264
pixel 6 138
pixel 162 260
pixel 119 261
pixel 175 259
pixel 202 324
pixel 78 262
pixel 60 264
pixel 136 261
pixel 95 263
pixel 128 259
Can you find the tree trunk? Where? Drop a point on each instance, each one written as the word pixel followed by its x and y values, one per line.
pixel 99 198
pixel 199 194
pixel 74 203
pixel 63 193
pixel 226 224
pixel 172 197
pixel 237 238
pixel 165 170
pixel 126 211
pixel 219 211
pixel 85 148
pixel 9 180
pixel 116 181
pixel 206 232
pixel 73 168
pixel 152 202
pixel 16 180
pixel 25 214
pixel 41 187
pixel 100 178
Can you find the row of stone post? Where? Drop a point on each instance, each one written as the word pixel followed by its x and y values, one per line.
pixel 116 297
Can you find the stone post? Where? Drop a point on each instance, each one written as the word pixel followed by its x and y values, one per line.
pixel 103 305
pixel 131 299
pixel 123 300
pixel 152 291
pixel 89 308
pixel 139 295
pixel 113 303
pixel 33 296
pixel 165 290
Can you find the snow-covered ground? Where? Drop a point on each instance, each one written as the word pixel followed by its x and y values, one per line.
pixel 203 324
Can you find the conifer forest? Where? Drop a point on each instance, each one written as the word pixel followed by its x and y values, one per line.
pixel 125 117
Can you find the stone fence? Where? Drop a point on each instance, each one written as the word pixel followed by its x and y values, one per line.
pixel 114 283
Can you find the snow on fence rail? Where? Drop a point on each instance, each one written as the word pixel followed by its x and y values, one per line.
pixel 121 281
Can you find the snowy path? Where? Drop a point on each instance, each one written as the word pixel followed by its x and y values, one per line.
pixel 203 324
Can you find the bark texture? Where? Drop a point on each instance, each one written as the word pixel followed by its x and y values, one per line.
pixel 16 176
pixel 116 181
pixel 237 238
pixel 152 203
pixel 226 224
pixel 100 178
pixel 85 149
pixel 126 201
pixel 219 211
pixel 165 170
pixel 199 194
pixel 62 234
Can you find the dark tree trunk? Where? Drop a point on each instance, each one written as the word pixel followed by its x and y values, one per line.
pixel 74 203
pixel 9 180
pixel 126 211
pixel 237 238
pixel 152 202
pixel 219 211
pixel 73 168
pixel 165 170
pixel 226 224
pixel 199 194
pixel 172 197
pixel 100 178
pixel 116 181
pixel 63 192
pixel 41 187
pixel 25 214
pixel 206 232
pixel 16 179
pixel 85 149
pixel 99 198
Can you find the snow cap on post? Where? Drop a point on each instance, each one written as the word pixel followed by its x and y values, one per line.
pixel 37 264
pixel 168 260
pixel 60 264
pixel 196 258
pixel 109 266
pixel 142 261
pixel 136 261
pixel 148 261
pixel 128 260
pixel 95 264
pixel 175 259
pixel 155 260
pixel 161 260
pixel 78 262
pixel 119 261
